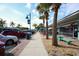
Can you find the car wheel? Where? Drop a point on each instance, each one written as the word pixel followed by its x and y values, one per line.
pixel 10 42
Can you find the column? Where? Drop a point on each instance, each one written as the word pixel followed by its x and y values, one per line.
pixel 78 31
pixel 58 30
pixel 73 31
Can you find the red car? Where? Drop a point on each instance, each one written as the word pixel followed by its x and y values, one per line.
pixel 19 34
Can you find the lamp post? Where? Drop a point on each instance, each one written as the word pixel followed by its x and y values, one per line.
pixel 29 19
pixel 29 22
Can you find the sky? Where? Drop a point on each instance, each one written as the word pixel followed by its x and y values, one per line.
pixel 17 12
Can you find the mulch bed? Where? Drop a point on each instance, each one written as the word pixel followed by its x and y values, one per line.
pixel 62 50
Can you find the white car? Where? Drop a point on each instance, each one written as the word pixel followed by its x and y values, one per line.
pixel 8 39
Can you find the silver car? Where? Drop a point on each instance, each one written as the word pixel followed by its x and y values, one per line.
pixel 8 39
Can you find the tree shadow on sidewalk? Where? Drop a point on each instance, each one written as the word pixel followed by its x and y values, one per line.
pixel 9 54
pixel 73 47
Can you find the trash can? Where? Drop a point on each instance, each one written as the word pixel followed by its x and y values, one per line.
pixel 28 36
pixel 2 48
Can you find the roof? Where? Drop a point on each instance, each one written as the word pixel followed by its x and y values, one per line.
pixel 72 18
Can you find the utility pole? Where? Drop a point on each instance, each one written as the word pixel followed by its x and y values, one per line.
pixel 29 20
pixel 28 17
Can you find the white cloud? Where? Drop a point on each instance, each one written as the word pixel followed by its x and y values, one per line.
pixel 70 8
pixel 16 12
pixel 16 21
pixel 34 17
pixel 35 11
pixel 10 15
pixel 3 7
pixel 23 23
pixel 36 21
pixel 28 5
pixel 52 18
pixel 36 4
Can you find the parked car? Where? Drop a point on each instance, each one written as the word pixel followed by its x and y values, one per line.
pixel 3 29
pixel 8 39
pixel 17 33
pixel 27 32
pixel 32 31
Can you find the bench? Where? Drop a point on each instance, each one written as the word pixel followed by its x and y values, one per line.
pixel 66 41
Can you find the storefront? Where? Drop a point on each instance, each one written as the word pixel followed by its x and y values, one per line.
pixel 69 25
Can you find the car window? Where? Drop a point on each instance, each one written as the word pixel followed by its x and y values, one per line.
pixel 15 30
pixel 6 31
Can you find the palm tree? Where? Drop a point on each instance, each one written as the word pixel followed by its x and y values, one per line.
pixel 43 18
pixel 35 25
pixel 55 7
pixel 40 25
pixel 43 8
pixel 12 24
pixel 2 23
pixel 19 25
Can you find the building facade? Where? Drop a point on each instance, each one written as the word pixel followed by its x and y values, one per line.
pixel 69 25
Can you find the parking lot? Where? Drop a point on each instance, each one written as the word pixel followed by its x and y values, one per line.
pixel 11 49
pixel 14 40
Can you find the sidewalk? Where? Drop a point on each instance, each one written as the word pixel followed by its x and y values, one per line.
pixel 35 47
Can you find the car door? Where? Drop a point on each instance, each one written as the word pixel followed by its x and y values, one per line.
pixel 14 33
pixel 6 33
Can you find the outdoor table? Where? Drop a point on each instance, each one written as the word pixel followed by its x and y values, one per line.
pixel 2 48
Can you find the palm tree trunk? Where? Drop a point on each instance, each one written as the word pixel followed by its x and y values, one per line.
pixel 43 26
pixel 54 27
pixel 43 22
pixel 46 28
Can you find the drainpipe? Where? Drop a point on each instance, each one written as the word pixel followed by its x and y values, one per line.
pixel 78 30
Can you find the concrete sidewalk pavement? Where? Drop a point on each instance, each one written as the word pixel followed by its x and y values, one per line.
pixel 35 47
